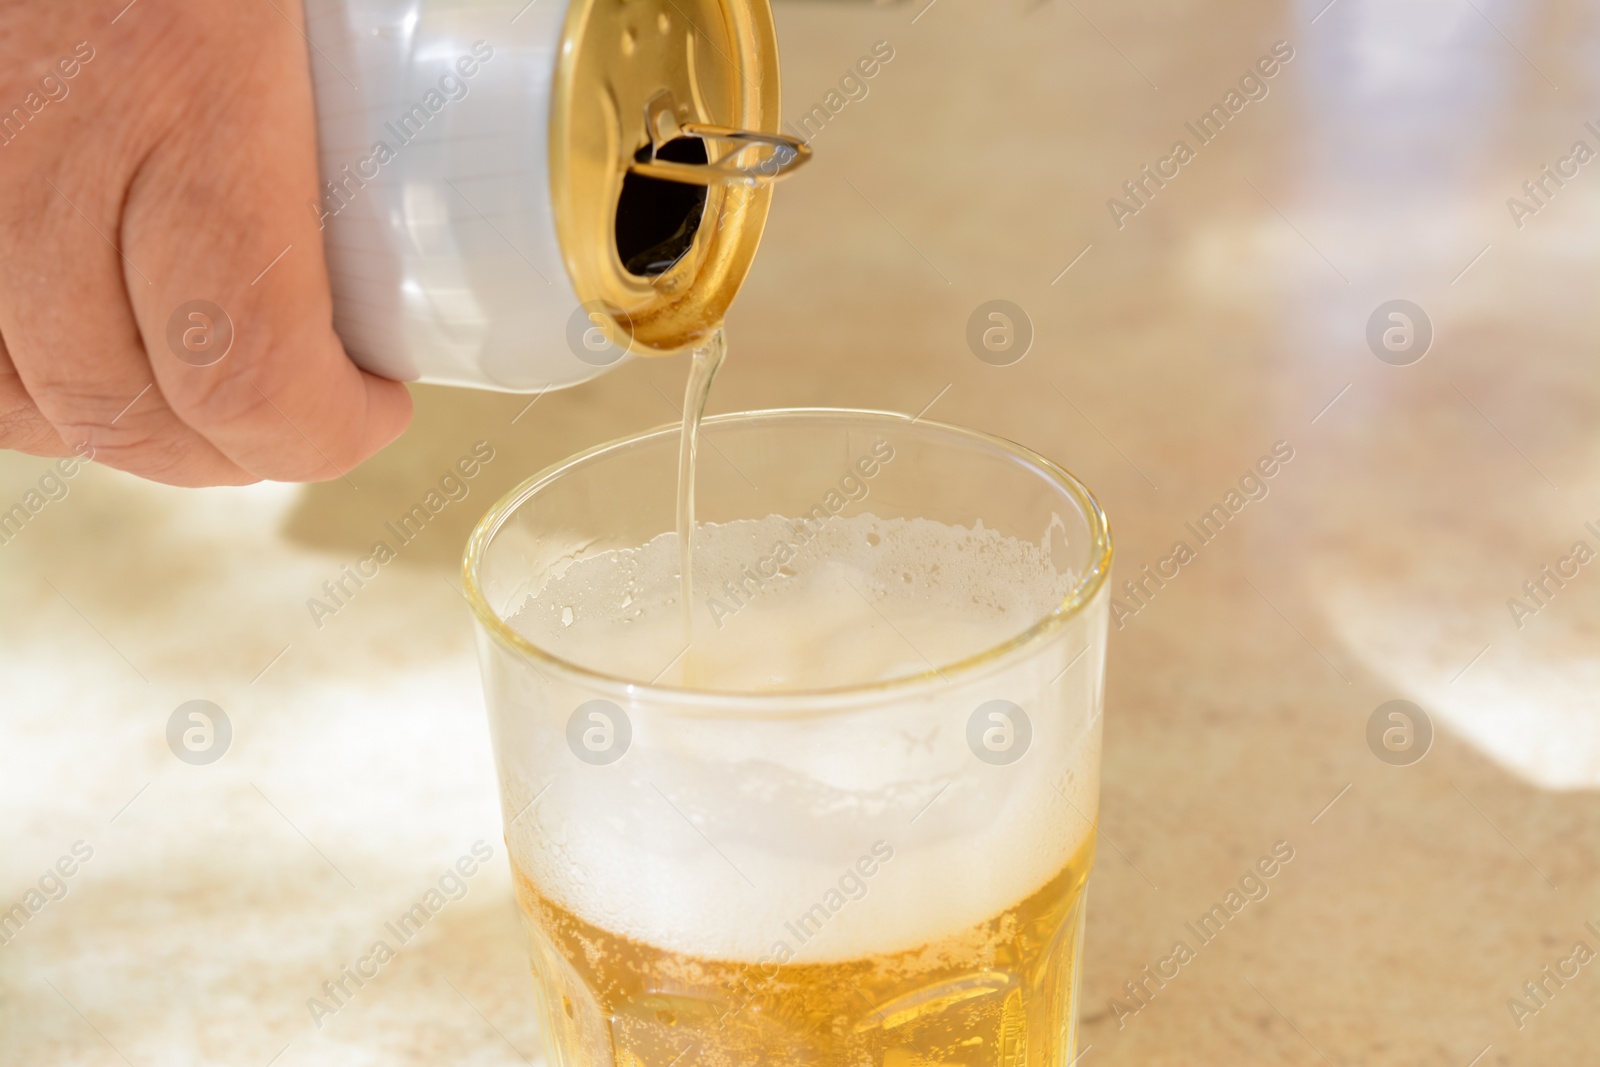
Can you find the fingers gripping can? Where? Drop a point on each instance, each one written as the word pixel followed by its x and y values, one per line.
pixel 517 196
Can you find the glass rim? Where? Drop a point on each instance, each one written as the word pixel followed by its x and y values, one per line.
pixel 1093 578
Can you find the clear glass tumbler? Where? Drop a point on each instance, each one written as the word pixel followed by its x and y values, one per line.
pixel 888 872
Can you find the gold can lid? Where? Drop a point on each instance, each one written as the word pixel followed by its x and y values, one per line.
pixel 660 173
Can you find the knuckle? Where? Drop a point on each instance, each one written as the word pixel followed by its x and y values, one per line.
pixel 219 396
pixel 136 432
pixel 141 446
pixel 273 417
pixel 77 402
pixel 23 429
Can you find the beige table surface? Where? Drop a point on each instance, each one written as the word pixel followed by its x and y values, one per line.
pixel 1228 314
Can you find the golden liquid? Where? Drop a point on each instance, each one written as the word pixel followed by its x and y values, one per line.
pixel 1000 994
pixel 702 369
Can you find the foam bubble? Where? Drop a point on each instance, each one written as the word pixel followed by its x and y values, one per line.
pixel 875 599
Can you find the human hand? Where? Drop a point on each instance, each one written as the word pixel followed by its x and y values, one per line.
pixel 156 163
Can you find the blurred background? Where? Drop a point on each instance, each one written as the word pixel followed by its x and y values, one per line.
pixel 1243 302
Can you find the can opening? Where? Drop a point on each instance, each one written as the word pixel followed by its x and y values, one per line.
pixel 664 235
pixel 657 219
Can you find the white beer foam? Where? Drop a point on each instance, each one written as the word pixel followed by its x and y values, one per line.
pixel 949 593
pixel 718 839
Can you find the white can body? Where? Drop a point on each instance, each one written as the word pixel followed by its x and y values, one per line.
pixel 433 132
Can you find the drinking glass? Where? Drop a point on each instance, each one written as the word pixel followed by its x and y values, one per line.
pixel 881 872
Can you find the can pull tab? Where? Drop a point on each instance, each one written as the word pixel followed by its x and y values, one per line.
pixel 776 155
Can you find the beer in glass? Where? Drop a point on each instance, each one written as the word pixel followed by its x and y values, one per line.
pixel 846 819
